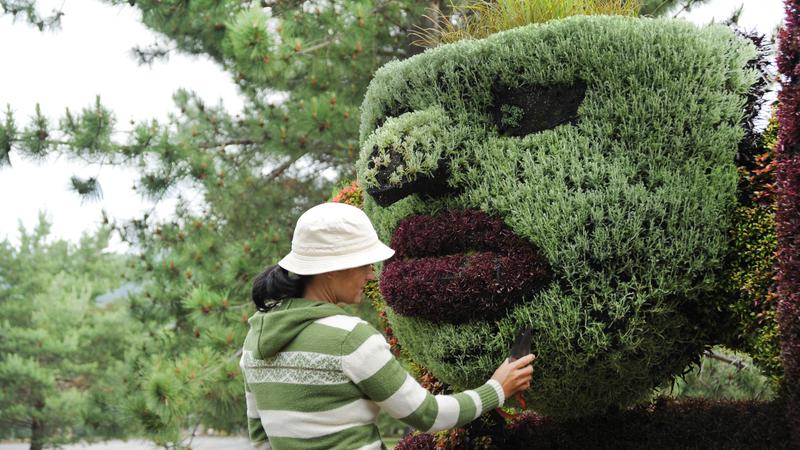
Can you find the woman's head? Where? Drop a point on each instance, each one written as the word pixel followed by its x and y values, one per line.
pixel 331 237
pixel 333 249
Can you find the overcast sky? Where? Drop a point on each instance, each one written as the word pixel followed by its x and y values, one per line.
pixel 89 56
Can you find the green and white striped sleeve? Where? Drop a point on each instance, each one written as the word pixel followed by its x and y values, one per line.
pixel 368 362
pixel 258 437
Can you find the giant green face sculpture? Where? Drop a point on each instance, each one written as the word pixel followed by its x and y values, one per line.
pixel 576 177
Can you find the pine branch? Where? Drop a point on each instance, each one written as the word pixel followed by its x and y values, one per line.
pixel 88 189
pixel 122 148
pixel 192 435
pixel 687 7
pixel 154 52
pixel 316 47
pixel 736 362
pixel 27 8
pixel 230 142
pixel 658 9
pixel 278 171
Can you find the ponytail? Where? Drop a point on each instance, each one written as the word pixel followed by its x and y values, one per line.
pixel 275 284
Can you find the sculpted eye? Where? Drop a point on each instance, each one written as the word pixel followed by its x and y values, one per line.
pixel 394 110
pixel 527 109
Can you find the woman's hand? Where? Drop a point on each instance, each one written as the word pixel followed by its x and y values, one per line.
pixel 515 376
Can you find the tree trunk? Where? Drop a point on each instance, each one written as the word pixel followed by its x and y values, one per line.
pixel 37 434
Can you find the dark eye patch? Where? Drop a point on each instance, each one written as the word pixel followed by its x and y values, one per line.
pixel 529 109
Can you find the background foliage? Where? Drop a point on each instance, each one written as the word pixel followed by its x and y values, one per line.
pixel 753 259
pixel 61 353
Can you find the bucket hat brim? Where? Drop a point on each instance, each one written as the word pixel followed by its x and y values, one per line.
pixel 313 265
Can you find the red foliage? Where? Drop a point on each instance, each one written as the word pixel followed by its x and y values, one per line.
pixel 762 179
pixel 417 442
pixel 351 194
pixel 788 214
pixel 431 383
pixel 459 266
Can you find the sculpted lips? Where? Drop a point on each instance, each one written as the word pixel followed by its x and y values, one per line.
pixel 460 266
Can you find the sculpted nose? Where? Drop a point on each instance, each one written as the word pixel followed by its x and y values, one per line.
pixel 409 154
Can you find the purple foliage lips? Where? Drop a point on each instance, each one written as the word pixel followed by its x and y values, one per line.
pixel 460 266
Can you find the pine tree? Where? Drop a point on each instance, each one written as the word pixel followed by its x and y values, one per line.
pixel 59 350
pixel 302 69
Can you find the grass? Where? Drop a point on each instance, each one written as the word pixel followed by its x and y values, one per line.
pixel 480 19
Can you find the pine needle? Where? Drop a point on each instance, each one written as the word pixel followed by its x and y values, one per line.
pixel 89 189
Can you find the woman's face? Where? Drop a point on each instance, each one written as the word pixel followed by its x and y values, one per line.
pixel 348 284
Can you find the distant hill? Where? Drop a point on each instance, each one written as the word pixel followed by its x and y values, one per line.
pixel 120 292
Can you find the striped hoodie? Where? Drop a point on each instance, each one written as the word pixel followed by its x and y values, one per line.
pixel 316 378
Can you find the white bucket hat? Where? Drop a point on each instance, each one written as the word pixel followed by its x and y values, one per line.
pixel 333 236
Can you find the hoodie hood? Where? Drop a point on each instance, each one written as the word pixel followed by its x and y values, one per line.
pixel 271 331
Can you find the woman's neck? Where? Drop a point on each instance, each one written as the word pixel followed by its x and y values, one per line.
pixel 317 289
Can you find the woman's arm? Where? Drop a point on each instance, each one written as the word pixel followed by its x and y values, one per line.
pixel 369 363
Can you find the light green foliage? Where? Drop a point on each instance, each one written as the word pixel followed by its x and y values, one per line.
pixel 8 134
pixel 511 115
pixel 252 45
pixel 57 347
pixel 35 136
pixel 631 205
pixel 91 130
pixel 734 379
pixel 168 391
pixel 87 133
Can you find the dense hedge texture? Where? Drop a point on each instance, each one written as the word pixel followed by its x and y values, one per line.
pixel 753 262
pixel 788 214
pixel 667 425
pixel 606 143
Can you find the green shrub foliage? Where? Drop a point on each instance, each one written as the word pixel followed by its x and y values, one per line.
pixel 753 262
pixel 616 161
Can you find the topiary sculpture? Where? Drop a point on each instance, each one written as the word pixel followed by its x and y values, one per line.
pixel 576 177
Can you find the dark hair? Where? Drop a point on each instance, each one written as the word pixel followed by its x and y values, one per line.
pixel 275 284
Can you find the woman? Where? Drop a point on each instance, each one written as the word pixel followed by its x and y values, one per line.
pixel 316 377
